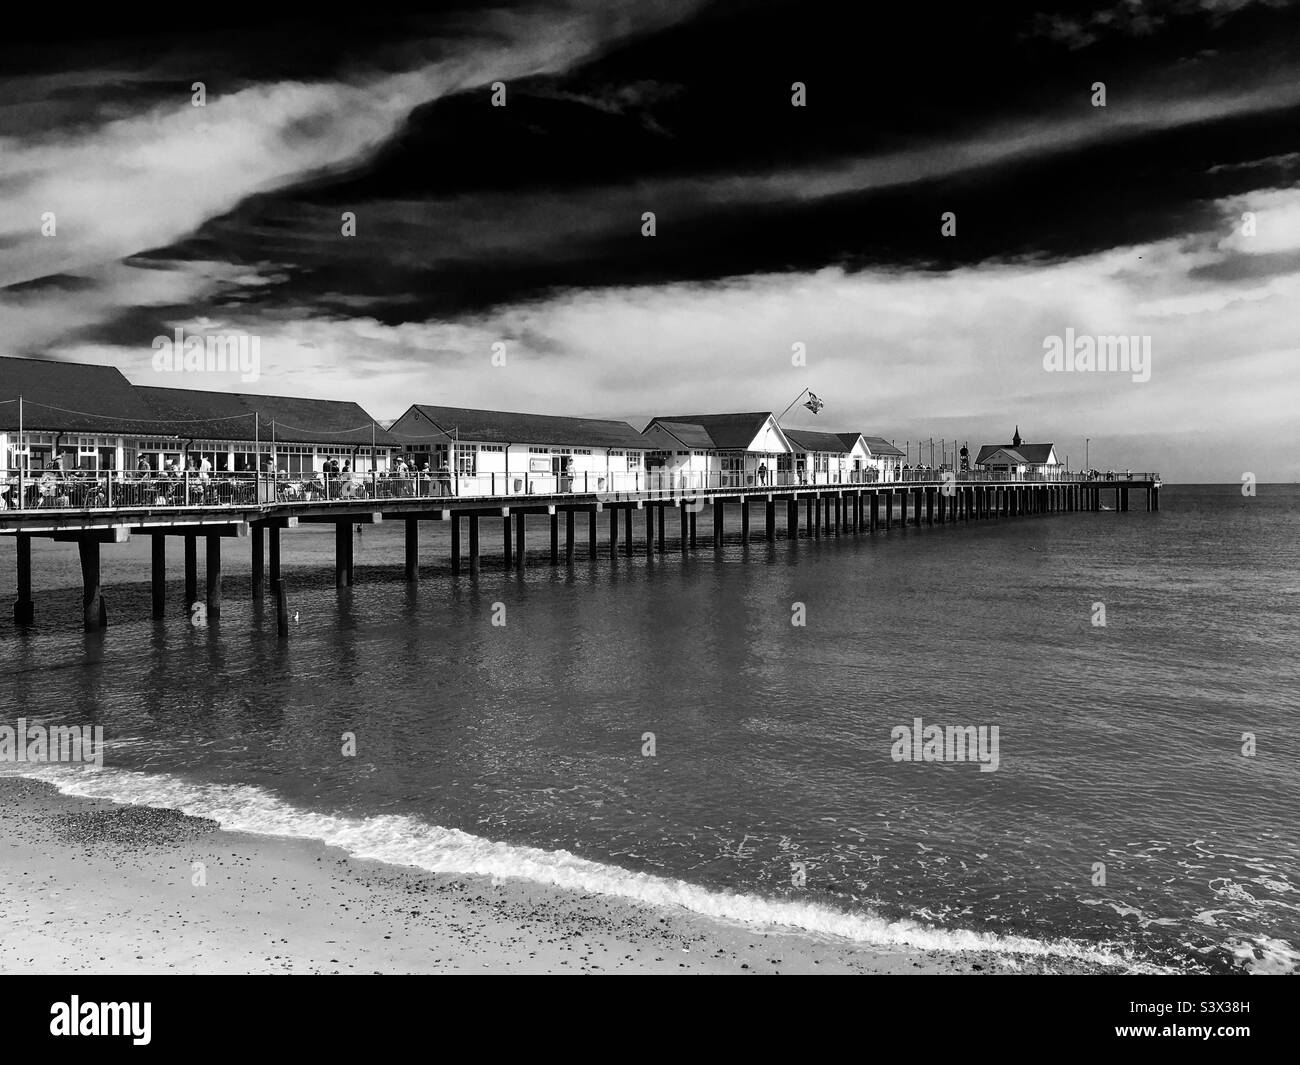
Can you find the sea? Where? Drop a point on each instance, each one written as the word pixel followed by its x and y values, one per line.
pixel 718 729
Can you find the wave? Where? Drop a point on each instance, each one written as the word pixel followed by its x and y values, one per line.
pixel 407 841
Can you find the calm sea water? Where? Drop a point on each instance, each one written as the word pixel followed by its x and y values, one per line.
pixel 517 750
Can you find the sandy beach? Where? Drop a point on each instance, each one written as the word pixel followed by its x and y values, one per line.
pixel 93 887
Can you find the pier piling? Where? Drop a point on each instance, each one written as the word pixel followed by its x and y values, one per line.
pixel 281 608
pixel 258 548
pixel 343 554
pixel 412 571
pixel 24 608
pixel 191 571
pixel 158 573
pixel 213 575
pixel 94 612
pixel 274 553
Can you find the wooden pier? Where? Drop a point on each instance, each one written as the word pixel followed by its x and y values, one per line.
pixel 828 510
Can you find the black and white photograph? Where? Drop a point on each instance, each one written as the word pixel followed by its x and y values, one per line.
pixel 657 487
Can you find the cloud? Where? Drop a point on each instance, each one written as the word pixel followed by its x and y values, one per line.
pixel 148 179
pixel 906 354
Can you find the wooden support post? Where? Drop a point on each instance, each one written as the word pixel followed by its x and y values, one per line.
pixel 343 554
pixel 940 505
pixel 613 533
pixel 24 607
pixel 213 574
pixel 889 508
pixel 693 515
pixel 591 533
pixel 508 552
pixel 273 534
pixel 816 500
pixel 681 510
pixel 555 538
pixel 568 537
pixel 94 613
pixel 259 563
pixel 1155 497
pixel 920 492
pixel 792 518
pixel 770 519
pixel 191 571
pixel 413 549
pixel 455 542
pixel 744 519
pixel 473 545
pixel 718 520
pixel 521 538
pixel 157 575
pixel 663 520
pixel 281 606
pixel 873 522
pixel 649 530
pixel 627 530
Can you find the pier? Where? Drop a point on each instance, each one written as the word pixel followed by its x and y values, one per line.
pixel 669 523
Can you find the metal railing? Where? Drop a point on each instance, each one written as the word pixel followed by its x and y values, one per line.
pixel 89 490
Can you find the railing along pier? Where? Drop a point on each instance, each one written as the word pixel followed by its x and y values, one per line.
pixel 98 508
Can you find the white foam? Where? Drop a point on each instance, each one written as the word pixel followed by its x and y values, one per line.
pixel 402 840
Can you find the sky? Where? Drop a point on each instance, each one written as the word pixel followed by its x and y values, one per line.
pixel 500 257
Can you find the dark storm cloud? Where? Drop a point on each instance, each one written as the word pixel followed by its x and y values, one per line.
pixel 927 111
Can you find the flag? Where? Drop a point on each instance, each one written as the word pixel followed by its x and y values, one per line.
pixel 814 404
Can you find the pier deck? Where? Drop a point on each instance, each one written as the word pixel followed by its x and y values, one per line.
pixel 827 509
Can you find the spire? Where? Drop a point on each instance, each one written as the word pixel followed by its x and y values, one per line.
pixel 1015 440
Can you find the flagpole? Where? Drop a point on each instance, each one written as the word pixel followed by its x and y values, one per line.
pixel 791 407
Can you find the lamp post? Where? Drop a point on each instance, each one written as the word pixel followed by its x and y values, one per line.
pixel 1086 465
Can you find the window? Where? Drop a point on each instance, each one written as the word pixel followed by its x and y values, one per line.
pixel 491 447
pixel 466 459
pixel 539 451
pixel 634 460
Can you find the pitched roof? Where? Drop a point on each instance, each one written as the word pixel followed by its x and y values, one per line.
pixel 726 432
pixel 505 427
pixel 878 445
pixel 197 414
pixel 849 440
pixel 810 440
pixel 992 451
pixel 690 436
pixel 1029 454
pixel 69 397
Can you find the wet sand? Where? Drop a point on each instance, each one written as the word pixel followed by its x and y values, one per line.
pixel 93 887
